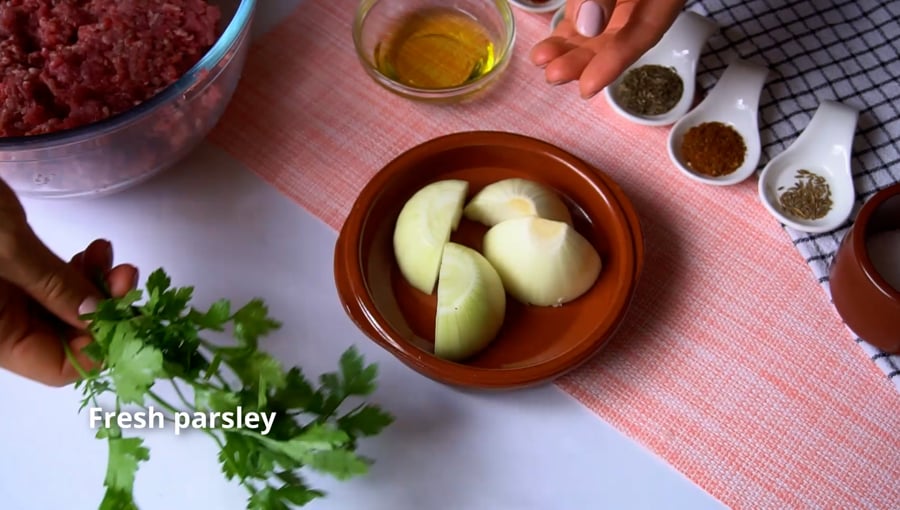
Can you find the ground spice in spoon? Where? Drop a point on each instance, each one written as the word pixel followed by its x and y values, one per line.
pixel 809 198
pixel 713 149
pixel 650 90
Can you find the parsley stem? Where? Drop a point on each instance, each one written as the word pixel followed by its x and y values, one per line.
pixel 222 381
pixel 355 409
pixel 71 357
pixel 159 400
pixel 180 394
pixel 214 350
pixel 331 408
pixel 218 377
pixel 225 458
pixel 206 386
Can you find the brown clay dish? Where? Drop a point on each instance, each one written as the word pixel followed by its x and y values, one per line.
pixel 866 302
pixel 535 345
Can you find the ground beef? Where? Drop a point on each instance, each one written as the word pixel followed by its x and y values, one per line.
pixel 67 63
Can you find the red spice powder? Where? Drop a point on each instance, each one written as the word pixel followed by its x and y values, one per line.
pixel 713 149
pixel 67 63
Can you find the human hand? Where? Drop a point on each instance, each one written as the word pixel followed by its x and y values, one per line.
pixel 41 297
pixel 598 39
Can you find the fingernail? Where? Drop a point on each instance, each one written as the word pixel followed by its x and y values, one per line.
pixel 89 305
pixel 590 19
pixel 556 82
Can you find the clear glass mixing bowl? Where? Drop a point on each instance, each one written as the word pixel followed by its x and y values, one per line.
pixel 124 150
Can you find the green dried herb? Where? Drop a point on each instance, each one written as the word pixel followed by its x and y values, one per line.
pixel 650 90
pixel 809 198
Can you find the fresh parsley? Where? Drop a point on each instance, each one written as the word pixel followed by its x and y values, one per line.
pixel 141 346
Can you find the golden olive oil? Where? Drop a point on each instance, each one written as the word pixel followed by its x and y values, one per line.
pixel 436 48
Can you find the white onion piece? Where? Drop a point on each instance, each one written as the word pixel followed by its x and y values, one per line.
pixel 424 227
pixel 516 198
pixel 471 304
pixel 542 262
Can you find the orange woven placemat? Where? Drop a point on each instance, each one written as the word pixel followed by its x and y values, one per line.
pixel 732 364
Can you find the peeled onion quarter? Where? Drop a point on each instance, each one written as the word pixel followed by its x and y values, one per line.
pixel 471 304
pixel 516 198
pixel 424 226
pixel 542 262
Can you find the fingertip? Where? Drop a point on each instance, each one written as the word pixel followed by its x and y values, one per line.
pixel 77 261
pixel 89 305
pixel 589 89
pixel 545 51
pixel 568 67
pixel 556 77
pixel 122 279
pixel 99 254
pixel 599 73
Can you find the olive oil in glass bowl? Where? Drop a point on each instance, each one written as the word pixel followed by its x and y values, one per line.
pixel 432 50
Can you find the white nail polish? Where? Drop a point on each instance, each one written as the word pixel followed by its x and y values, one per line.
pixel 89 305
pixel 590 19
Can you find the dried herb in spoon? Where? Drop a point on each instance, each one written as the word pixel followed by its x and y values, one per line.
pixel 650 90
pixel 809 198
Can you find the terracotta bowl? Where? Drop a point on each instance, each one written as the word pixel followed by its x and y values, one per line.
pixel 863 297
pixel 535 345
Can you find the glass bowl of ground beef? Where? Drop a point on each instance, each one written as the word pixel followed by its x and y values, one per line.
pixel 99 95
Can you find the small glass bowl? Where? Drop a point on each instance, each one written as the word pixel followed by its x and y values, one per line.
pixel 376 20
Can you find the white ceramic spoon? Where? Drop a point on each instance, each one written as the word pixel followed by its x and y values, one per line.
pixel 824 148
pixel 680 49
pixel 557 18
pixel 733 101
pixel 530 6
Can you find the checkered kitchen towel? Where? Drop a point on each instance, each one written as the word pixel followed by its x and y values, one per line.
pixel 844 50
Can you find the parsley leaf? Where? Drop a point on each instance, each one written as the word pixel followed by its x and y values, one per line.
pixel 366 421
pixel 271 498
pixel 134 366
pixel 251 322
pixel 357 378
pixel 125 453
pixel 341 464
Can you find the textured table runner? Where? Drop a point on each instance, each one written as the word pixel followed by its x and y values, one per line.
pixel 732 364
pixel 841 50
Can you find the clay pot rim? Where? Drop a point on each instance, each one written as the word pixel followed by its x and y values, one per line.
pixel 859 241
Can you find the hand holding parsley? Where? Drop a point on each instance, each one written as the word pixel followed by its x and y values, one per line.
pixel 41 297
pixel 57 326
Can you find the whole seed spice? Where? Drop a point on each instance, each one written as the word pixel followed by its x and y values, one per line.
pixel 650 90
pixel 809 198
pixel 713 149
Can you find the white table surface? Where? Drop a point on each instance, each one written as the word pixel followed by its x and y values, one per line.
pixel 211 223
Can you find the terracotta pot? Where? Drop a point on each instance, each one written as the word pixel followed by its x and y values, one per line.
pixel 535 345
pixel 867 303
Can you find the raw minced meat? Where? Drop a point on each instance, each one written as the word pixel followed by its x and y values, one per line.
pixel 67 63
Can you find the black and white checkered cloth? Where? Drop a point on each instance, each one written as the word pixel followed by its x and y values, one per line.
pixel 843 50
